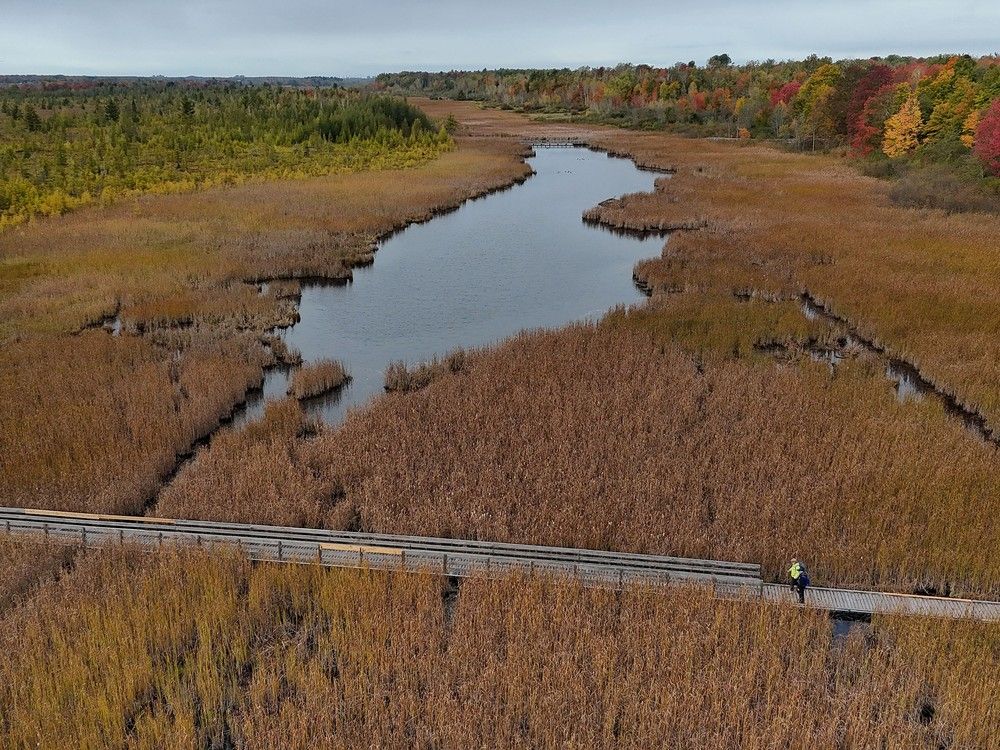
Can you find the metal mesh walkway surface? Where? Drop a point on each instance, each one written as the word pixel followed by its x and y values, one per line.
pixel 854 602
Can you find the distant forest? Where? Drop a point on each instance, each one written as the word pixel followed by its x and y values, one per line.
pixel 941 110
pixel 66 142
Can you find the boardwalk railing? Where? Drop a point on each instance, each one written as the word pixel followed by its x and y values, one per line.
pixel 462 557
pixel 450 557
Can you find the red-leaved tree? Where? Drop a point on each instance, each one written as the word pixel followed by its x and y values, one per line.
pixel 786 93
pixel 987 145
pixel 859 130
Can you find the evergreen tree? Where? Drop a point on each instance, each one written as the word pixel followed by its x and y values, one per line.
pixel 31 119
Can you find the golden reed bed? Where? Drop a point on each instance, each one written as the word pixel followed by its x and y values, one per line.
pixel 187 650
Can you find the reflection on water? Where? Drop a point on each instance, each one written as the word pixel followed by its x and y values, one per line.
pixel 518 259
pixel 843 626
pixel 909 385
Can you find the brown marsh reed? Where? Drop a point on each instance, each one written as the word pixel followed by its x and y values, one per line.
pixel 281 351
pixel 403 378
pixel 265 466
pixel 24 565
pixel 285 289
pixel 192 650
pixel 94 422
pixel 317 378
pixel 919 282
pixel 650 435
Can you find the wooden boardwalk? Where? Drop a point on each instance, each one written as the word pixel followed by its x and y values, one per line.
pixel 461 558
pixel 451 557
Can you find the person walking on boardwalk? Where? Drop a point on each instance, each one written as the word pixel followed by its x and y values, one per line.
pixel 799 579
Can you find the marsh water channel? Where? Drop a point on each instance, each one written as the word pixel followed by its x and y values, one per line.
pixel 518 259
pixel 522 258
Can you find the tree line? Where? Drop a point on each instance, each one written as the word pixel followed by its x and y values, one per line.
pixel 69 143
pixel 940 109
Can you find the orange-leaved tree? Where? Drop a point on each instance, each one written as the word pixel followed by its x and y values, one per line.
pixel 902 129
pixel 969 129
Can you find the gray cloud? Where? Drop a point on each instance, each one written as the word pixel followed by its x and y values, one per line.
pixel 302 37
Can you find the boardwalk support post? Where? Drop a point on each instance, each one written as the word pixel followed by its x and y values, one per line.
pixel 444 563
pixel 45 526
pixel 279 549
pixel 161 539
pixel 402 559
pixel 83 536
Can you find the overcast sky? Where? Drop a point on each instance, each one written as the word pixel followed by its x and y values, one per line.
pixel 334 37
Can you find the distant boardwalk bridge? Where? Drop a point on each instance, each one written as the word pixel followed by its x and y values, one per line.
pixel 546 142
pixel 461 558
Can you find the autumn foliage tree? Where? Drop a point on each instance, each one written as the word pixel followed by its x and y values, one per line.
pixel 902 130
pixel 786 93
pixel 859 130
pixel 969 129
pixel 987 141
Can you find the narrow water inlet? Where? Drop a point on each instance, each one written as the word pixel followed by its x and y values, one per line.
pixel 909 383
pixel 513 260
pixel 111 323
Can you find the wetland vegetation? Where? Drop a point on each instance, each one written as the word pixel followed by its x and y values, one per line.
pixel 192 650
pixel 695 422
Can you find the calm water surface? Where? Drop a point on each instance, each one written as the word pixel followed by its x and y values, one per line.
pixel 515 260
